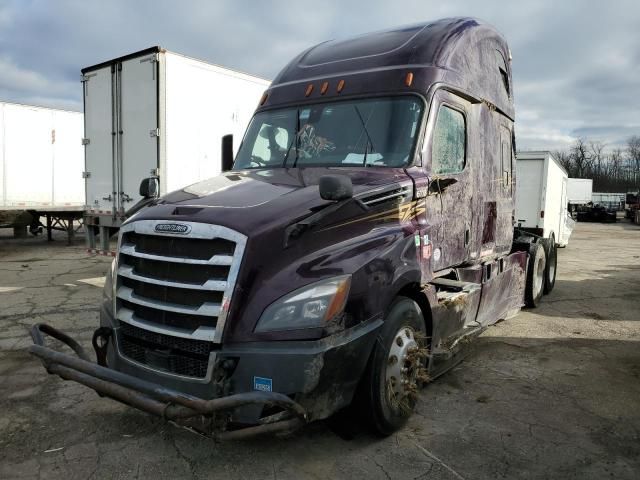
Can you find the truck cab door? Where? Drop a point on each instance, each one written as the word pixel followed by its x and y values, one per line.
pixel 450 192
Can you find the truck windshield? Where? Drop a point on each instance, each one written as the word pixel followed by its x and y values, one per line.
pixel 376 132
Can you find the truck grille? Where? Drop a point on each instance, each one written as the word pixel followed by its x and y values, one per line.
pixel 174 285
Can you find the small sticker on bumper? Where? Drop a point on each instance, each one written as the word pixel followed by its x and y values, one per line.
pixel 262 384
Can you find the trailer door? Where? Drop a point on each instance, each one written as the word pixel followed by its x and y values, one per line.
pixel 529 192
pixel 137 99
pixel 99 160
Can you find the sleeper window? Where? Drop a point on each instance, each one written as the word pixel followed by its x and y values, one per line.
pixel 448 153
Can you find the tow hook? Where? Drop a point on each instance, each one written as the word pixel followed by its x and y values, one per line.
pixel 100 342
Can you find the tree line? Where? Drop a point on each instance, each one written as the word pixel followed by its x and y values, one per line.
pixel 616 170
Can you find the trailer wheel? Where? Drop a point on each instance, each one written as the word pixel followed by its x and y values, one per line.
pixel 551 267
pixel 396 368
pixel 534 288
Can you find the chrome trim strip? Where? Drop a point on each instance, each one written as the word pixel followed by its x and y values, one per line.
pixel 129 249
pixel 201 333
pixel 402 193
pixel 207 308
pixel 212 285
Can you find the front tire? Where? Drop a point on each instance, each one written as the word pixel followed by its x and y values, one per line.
pixel 396 368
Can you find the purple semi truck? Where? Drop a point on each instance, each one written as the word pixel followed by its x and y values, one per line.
pixel 363 234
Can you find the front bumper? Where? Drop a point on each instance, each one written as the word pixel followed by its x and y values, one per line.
pixel 310 380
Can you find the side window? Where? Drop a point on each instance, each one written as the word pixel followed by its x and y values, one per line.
pixel 449 138
pixel 505 159
pixel 504 73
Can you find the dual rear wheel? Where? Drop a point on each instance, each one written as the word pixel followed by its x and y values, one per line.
pixel 541 270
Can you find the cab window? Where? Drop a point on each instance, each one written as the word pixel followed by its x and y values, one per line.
pixel 449 139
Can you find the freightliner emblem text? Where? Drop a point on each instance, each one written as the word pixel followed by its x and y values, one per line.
pixel 172 228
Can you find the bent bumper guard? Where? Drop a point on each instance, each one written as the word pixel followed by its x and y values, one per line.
pixel 156 399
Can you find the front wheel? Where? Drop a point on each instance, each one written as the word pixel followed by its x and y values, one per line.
pixel 396 368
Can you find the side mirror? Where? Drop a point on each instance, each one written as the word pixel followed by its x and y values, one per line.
pixel 149 187
pixel 227 153
pixel 335 187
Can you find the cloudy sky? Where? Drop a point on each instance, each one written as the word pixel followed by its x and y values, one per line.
pixel 576 63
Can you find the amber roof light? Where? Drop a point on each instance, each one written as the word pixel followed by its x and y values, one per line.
pixel 408 80
pixel 309 90
pixel 340 86
pixel 324 88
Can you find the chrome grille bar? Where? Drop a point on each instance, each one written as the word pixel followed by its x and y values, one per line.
pixel 214 285
pixel 129 249
pixel 126 293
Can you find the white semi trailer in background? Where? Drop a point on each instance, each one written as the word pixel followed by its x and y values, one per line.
pixel 41 164
pixel 579 191
pixel 541 203
pixel 155 113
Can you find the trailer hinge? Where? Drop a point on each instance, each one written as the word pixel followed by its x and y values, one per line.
pixel 85 78
pixel 154 133
pixel 155 172
pixel 86 141
pixel 86 174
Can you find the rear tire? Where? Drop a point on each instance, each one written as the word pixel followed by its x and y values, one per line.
pixel 551 266
pixel 389 386
pixel 534 288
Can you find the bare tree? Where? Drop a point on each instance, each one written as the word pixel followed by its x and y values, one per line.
pixel 565 159
pixel 580 158
pixel 596 156
pixel 615 163
pixel 633 156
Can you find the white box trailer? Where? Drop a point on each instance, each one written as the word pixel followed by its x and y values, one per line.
pixel 156 113
pixel 41 164
pixel 579 191
pixel 541 196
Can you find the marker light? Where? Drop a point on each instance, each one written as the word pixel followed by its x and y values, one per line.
pixel 340 86
pixel 408 80
pixel 324 88
pixel 309 90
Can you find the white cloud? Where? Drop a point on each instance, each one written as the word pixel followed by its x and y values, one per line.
pixel 576 63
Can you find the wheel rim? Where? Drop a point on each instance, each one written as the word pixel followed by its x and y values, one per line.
pixel 552 263
pixel 538 278
pixel 404 366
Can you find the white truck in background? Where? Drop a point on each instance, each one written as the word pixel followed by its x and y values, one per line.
pixel 155 113
pixel 579 191
pixel 41 163
pixel 541 203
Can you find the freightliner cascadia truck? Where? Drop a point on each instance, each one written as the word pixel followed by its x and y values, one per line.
pixel 362 236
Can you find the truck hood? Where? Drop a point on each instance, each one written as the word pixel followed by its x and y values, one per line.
pixel 251 200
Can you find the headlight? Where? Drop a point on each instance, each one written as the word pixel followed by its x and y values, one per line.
pixel 307 307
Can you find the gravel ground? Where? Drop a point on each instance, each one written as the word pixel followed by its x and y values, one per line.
pixel 551 393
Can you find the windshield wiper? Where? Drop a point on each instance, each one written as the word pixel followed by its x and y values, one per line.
pixel 369 141
pixel 294 139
